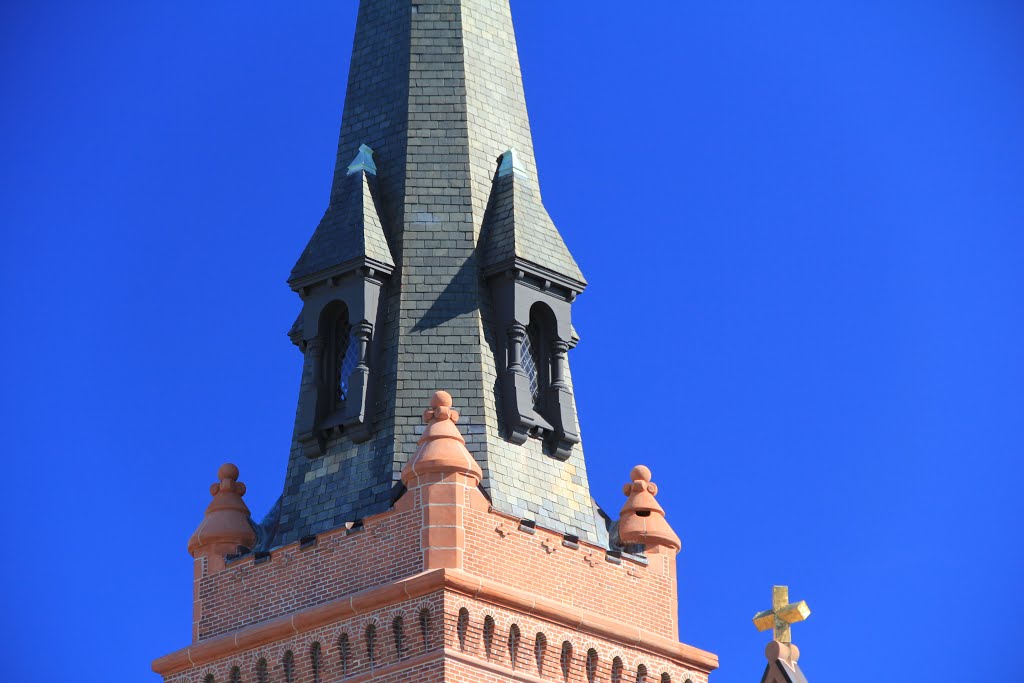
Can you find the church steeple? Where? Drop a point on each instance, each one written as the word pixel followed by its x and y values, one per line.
pixel 459 543
pixel 435 265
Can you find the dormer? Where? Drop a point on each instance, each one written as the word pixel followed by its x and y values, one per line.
pixel 339 277
pixel 533 280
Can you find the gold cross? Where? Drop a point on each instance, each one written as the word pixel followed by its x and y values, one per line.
pixel 782 614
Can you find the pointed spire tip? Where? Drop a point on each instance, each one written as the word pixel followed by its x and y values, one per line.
pixel 510 163
pixel 363 162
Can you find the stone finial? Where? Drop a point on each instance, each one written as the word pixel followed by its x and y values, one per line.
pixel 441 449
pixel 225 525
pixel 363 162
pixel 510 164
pixel 642 520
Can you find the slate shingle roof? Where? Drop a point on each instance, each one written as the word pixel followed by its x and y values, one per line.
pixel 517 225
pixel 350 231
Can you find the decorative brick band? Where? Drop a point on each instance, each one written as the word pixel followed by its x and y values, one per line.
pixel 582 620
pixel 490 667
pixel 418 586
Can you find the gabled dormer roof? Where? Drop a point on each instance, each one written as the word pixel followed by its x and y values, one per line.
pixel 350 234
pixel 517 228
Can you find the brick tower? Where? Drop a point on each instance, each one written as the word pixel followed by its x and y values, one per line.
pixel 421 537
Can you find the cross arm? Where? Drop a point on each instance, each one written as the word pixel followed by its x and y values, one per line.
pixel 765 620
pixel 798 611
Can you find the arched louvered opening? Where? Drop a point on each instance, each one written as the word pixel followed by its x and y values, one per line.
pixel 591 665
pixel 208 678
pixel 540 646
pixel 536 353
pixel 398 632
pixel 566 660
pixel 341 354
pixel 288 666
pixel 641 674
pixel 617 669
pixel 261 671
pixel 513 645
pixel 344 654
pixel 425 628
pixel 488 635
pixel 315 661
pixel 236 675
pixel 371 644
pixel 462 628
pixel 665 678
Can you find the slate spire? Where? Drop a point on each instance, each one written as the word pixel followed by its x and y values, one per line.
pixel 404 282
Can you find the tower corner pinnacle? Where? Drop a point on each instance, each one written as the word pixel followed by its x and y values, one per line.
pixel 642 520
pixel 225 526
pixel 442 448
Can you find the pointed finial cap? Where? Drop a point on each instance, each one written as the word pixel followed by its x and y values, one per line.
pixel 442 449
pixel 363 162
pixel 225 525
pixel 510 163
pixel 642 520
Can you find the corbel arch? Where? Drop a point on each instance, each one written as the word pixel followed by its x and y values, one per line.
pixel 540 652
pixel 371 642
pixel 425 624
pixel 489 635
pixel 462 627
pixel 343 648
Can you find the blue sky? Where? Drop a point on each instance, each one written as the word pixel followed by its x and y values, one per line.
pixel 802 225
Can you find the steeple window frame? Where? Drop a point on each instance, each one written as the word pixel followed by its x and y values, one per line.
pixel 337 362
pixel 536 329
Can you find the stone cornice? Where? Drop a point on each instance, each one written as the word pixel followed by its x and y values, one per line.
pixel 422 584
pixel 371 268
pixel 537 276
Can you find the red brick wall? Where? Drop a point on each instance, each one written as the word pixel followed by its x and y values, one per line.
pixel 388 548
pixel 246 593
pixel 631 592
